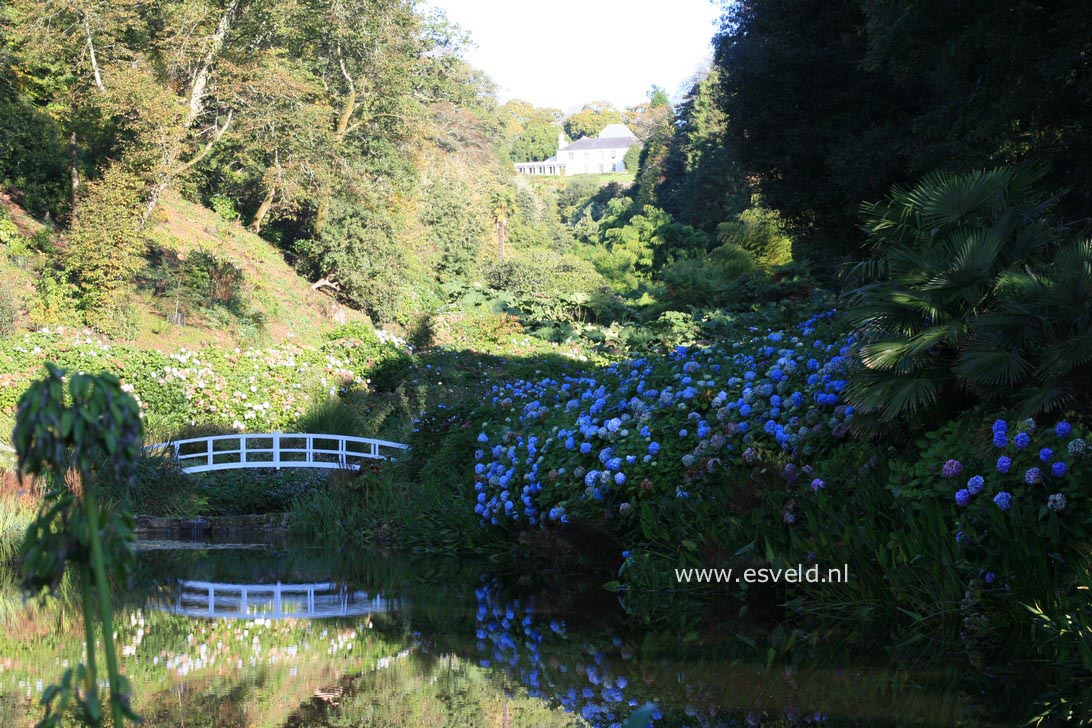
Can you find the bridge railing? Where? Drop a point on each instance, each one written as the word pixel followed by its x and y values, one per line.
pixel 276 450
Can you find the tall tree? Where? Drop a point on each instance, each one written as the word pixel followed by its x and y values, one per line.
pixel 503 202
pixel 811 125
pixel 592 119
pixel 702 183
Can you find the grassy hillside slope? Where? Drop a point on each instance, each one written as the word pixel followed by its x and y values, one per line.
pixel 191 250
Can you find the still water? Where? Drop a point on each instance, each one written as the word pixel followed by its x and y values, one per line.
pixel 268 635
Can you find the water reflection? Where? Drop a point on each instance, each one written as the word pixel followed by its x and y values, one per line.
pixel 206 599
pixel 289 637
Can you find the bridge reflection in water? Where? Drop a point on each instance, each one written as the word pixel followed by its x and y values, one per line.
pixel 275 601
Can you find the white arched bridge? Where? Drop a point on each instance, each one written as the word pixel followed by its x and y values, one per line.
pixel 276 450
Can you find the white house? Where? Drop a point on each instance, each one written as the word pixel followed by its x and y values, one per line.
pixel 605 153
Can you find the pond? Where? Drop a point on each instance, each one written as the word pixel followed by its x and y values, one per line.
pixel 270 635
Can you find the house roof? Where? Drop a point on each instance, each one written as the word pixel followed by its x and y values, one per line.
pixel 616 130
pixel 585 143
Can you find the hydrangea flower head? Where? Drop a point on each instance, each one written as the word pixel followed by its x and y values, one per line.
pixel 1056 502
pixel 1004 463
pixel 962 497
pixel 1003 500
pixel 1033 476
pixel 1046 454
pixel 1062 429
pixel 818 484
pixel 1076 446
pixel 1021 440
pixel 1058 469
pixel 1000 426
pixel 975 484
pixel 951 469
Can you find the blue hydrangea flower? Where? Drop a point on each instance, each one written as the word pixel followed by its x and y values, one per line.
pixel 1000 426
pixel 1058 469
pixel 1046 454
pixel 818 484
pixel 975 484
pixel 1033 476
pixel 1056 502
pixel 619 478
pixel 1004 463
pixel 1000 439
pixel 951 468
pixel 1021 440
pixel 1003 500
pixel 962 497
pixel 1062 429
pixel 653 448
pixel 1076 446
pixel 990 576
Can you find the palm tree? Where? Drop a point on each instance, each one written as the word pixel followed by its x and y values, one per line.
pixel 974 297
pixel 504 204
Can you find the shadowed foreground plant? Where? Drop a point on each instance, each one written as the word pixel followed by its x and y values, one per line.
pixel 62 436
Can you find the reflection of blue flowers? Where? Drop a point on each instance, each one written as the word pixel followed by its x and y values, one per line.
pixel 509 639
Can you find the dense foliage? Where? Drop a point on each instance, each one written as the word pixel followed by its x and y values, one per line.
pixel 833 102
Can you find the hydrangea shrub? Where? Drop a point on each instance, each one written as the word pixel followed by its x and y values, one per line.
pixel 656 426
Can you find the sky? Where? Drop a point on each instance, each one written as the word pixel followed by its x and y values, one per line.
pixel 566 53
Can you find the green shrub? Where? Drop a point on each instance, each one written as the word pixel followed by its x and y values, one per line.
pixel 214 279
pixel 709 281
pixel 105 246
pixel 224 207
pixel 9 233
pixel 255 389
pixel 760 232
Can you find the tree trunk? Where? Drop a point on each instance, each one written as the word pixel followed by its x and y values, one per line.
pixel 201 75
pixel 263 209
pixel 91 52
pixel 321 214
pixel 196 103
pixel 73 165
